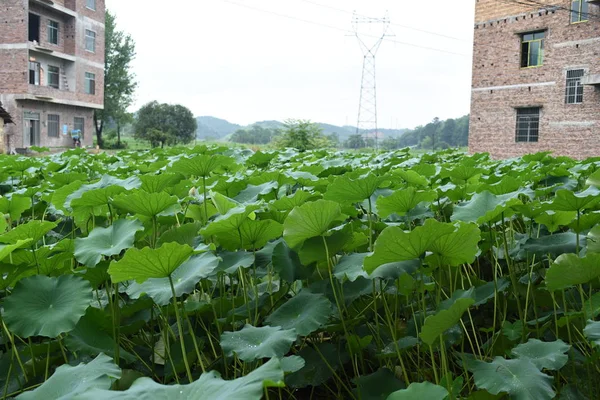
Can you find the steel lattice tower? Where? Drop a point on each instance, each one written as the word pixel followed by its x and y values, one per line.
pixel 367 110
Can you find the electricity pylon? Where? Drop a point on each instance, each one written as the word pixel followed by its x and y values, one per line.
pixel 367 110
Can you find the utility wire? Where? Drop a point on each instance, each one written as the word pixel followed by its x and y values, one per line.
pixel 531 3
pixel 341 29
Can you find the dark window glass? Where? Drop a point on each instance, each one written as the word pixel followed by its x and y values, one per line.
pixel 532 49
pixel 53 77
pixel 528 124
pixel 574 88
pixel 53 125
pixel 53 32
pixel 90 83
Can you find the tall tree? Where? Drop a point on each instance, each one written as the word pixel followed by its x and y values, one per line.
pixel 119 80
pixel 165 123
pixel 302 135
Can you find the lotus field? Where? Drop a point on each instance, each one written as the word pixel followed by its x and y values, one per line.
pixel 216 273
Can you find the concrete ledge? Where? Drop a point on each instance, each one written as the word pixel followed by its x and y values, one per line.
pixel 591 80
pixel 82 104
pixel 53 6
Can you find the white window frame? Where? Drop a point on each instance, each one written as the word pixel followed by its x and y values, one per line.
pixel 57 28
pixel 88 78
pixel 57 76
pixel 93 40
pixel 90 4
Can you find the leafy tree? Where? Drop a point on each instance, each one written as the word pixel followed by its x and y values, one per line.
pixel 302 135
pixel 355 142
pixel 256 134
pixel 119 80
pixel 176 123
pixel 447 131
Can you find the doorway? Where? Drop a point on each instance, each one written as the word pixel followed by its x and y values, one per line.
pixel 34 28
pixel 31 134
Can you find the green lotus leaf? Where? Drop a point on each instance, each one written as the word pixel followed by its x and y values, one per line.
pixel 15 206
pixel 58 198
pixel 292 364
pixel 521 379
pixel 436 325
pixel 592 332
pixel 105 182
pixel 91 336
pixel 7 249
pixel 185 278
pixel 377 386
pixel 202 165
pixel 395 245
pixel 485 207
pixel 33 230
pixel 223 203
pixel 231 221
pixel 253 343
pixel 70 382
pixel 346 190
pixel 251 235
pixel 570 270
pixel 43 306
pixel 456 248
pixel 593 240
pixel 553 245
pixel 545 355
pixel 208 386
pixel 566 200
pixel 159 183
pixel 287 264
pixel 512 330
pixel 319 365
pixel 185 234
pixel 350 267
pixel 402 201
pixel 253 192
pixel 553 220
pixel 411 177
pixel 424 390
pixel 260 159
pixel 141 265
pixel 147 204
pixel 106 241
pixel 306 312
pixel 296 200
pixel 310 220
pixel 97 197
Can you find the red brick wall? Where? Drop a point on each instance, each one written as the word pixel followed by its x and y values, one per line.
pixel 486 10
pixel 12 15
pixel 566 129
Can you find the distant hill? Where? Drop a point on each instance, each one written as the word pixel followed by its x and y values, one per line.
pixel 219 129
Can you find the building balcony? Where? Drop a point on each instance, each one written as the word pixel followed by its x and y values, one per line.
pixel 591 79
pixel 39 49
pixel 49 4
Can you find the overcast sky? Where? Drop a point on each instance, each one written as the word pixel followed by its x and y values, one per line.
pixel 227 59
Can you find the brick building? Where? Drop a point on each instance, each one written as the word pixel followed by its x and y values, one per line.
pixel 536 78
pixel 51 69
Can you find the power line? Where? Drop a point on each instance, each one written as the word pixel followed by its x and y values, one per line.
pixel 531 3
pixel 275 13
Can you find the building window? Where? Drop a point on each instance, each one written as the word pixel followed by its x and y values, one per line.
pixel 34 73
pixel 34 28
pixel 90 83
pixel 90 41
pixel 53 32
pixel 532 49
pixel 574 91
pixel 91 4
pixel 53 75
pixel 53 125
pixel 528 124
pixel 579 11
pixel 79 125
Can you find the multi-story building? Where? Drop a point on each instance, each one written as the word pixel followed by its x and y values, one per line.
pixel 51 69
pixel 536 78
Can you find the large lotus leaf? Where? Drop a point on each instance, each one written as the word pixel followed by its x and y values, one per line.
pixel 43 306
pixel 202 165
pixel 350 267
pixel 90 336
pixel 310 220
pixel 436 325
pixel 570 270
pixel 253 192
pixel 97 197
pixel 251 235
pixel 292 364
pixel 58 198
pixel 70 382
pixel 545 355
pixel 521 379
pixel 231 221
pixel 223 203
pixel 105 182
pixel 253 343
pixel 553 220
pixel 147 204
pixel 33 230
pixel 377 386
pixel 424 390
pixel 6 250
pixel 346 190
pixel 485 207
pixel 318 367
pixel 289 202
pixel 456 248
pixel 15 206
pixel 106 241
pixel 411 177
pixel 306 312
pixel 395 245
pixel 403 200
pixel 553 245
pixel 592 331
pixel 159 183
pixel 185 278
pixel 593 240
pixel 287 264
pixel 185 234
pixel 232 261
pixel 209 386
pixel 566 200
pixel 141 265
